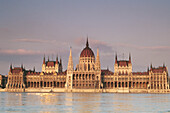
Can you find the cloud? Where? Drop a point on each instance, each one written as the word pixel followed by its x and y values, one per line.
pixel 19 52
pixel 156 48
pixel 79 41
pixel 34 40
pixel 103 46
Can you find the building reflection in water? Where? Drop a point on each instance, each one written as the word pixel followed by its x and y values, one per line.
pixel 122 102
pixel 69 102
pixel 83 102
pixel 87 102
pixel 17 98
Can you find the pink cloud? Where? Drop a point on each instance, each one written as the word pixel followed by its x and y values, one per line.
pixel 103 46
pixel 19 52
pixel 157 48
pixel 79 41
pixel 34 40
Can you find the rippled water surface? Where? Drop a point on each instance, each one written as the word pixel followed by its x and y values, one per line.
pixel 83 102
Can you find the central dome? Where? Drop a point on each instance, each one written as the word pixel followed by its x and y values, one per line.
pixel 87 52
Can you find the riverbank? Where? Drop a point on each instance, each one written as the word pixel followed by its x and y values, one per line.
pixel 2 90
pixel 57 90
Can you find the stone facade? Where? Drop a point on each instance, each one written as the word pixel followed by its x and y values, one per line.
pixel 52 66
pixel 88 77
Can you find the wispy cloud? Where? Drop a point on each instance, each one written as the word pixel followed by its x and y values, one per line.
pixel 156 48
pixel 34 40
pixel 103 46
pixel 19 52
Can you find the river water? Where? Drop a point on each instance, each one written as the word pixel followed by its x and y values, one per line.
pixel 83 102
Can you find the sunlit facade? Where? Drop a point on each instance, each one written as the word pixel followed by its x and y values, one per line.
pixel 88 76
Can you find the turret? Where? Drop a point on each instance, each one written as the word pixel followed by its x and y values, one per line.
pixel 60 66
pixel 116 59
pixel 34 69
pixel 87 43
pixel 11 67
pixel 44 59
pixel 69 79
pixel 43 65
pixel 56 60
pixel 107 67
pixel 129 58
pixel 98 61
pixel 70 63
pixel 151 66
pixel 22 66
pixel 148 69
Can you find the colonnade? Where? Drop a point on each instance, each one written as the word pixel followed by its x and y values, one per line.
pixel 116 84
pixel 15 86
pixel 85 81
pixel 158 81
pixel 44 84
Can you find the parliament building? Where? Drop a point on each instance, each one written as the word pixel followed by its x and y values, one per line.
pixel 88 76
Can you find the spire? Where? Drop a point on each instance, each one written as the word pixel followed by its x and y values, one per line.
pixel 163 64
pixel 11 67
pixel 70 62
pixel 60 66
pixel 129 58
pixel 44 59
pixel 97 52
pixel 107 67
pixel 151 66
pixel 52 57
pixel 22 66
pixel 60 61
pixel 87 43
pixel 56 60
pixel 116 58
pixel 34 69
pixel 98 60
pixel 148 68
pixel 48 58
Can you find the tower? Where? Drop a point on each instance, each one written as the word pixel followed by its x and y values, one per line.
pixel 87 59
pixel 98 70
pixel 56 64
pixel 116 64
pixel 43 65
pixel 97 63
pixel 69 78
pixel 123 66
pixel 60 66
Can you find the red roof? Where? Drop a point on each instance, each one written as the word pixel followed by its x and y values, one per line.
pixel 17 70
pixel 140 73
pixel 50 63
pixel 107 72
pixel 158 70
pixel 87 52
pixel 63 73
pixel 33 73
pixel 123 63
pixel 48 73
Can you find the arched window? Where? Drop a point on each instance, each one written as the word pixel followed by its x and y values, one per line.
pixel 97 78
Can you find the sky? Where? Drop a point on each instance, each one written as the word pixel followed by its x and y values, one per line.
pixel 29 29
